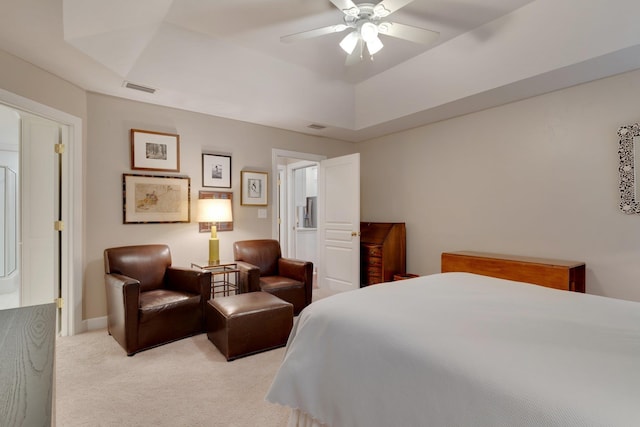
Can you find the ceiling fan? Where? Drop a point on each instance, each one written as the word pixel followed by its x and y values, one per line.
pixel 366 22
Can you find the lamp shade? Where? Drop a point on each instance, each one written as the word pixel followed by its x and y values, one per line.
pixel 214 210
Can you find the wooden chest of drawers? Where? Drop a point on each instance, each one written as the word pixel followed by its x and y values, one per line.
pixel 552 273
pixel 382 251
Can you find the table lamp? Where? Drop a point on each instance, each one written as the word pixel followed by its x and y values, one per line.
pixel 214 211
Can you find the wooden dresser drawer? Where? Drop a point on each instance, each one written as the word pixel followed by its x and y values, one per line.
pixel 382 251
pixel 373 260
pixel 372 250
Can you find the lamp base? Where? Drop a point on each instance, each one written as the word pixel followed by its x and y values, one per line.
pixel 214 246
pixel 214 251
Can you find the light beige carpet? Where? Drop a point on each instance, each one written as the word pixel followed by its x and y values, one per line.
pixel 184 383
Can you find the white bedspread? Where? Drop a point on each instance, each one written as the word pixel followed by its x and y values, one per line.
pixel 458 349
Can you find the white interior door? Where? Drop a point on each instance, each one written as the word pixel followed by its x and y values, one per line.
pixel 40 205
pixel 339 223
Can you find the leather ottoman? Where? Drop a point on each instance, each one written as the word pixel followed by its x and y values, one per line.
pixel 244 324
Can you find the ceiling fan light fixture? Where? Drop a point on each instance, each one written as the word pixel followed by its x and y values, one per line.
pixel 369 31
pixel 374 45
pixel 365 22
pixel 348 43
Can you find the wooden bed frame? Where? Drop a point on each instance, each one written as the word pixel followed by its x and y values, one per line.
pixel 552 273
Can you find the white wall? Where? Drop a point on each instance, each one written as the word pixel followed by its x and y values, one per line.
pixel 108 157
pixel 537 177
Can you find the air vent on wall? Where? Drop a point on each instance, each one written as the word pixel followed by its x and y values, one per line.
pixel 316 127
pixel 141 88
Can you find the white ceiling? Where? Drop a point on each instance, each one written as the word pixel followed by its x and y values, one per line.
pixel 224 57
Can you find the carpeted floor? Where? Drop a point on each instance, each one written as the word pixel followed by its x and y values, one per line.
pixel 184 383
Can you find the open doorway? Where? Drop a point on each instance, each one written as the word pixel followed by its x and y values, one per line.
pixel 295 207
pixel 301 180
pixel 338 214
pixel 48 208
pixel 30 200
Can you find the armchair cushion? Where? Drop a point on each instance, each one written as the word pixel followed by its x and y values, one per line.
pixel 155 302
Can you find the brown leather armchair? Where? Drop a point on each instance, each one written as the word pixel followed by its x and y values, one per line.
pixel 262 268
pixel 150 303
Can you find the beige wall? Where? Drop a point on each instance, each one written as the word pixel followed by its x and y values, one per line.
pixel 106 123
pixel 108 157
pixel 537 177
pixel 22 78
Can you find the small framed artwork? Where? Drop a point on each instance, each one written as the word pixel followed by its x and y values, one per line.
pixel 155 199
pixel 216 171
pixel 155 151
pixel 205 227
pixel 253 191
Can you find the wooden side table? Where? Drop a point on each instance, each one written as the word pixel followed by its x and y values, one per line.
pixel 225 277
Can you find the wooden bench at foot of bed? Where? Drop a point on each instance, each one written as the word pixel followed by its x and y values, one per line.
pixel 552 273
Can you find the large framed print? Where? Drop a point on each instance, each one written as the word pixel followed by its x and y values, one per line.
pixel 216 171
pixel 155 199
pixel 205 227
pixel 155 151
pixel 253 189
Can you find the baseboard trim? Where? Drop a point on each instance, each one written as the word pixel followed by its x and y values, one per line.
pixel 95 323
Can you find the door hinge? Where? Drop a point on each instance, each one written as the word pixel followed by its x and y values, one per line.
pixel 58 148
pixel 59 302
pixel 279 221
pixel 58 225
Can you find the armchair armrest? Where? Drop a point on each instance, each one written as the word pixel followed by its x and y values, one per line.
pixel 189 280
pixel 249 277
pixel 122 290
pixel 123 301
pixel 295 269
pixel 298 270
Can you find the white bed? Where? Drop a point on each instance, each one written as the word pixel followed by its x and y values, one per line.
pixel 459 349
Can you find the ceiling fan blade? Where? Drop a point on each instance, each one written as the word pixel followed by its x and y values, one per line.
pixel 348 7
pixel 313 33
pixel 387 7
pixel 355 56
pixel 408 32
